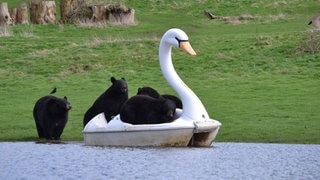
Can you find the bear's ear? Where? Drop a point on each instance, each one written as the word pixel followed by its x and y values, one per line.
pixel 113 79
pixel 123 78
pixel 139 90
pixel 65 98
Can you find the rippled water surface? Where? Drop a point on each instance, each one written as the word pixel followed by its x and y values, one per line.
pixel 73 160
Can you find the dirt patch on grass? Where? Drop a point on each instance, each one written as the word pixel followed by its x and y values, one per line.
pixel 246 18
pixel 42 53
pixel 310 43
pixel 76 68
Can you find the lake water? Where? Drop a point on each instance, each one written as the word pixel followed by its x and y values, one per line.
pixel 73 160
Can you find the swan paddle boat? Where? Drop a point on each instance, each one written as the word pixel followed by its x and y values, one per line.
pixel 192 125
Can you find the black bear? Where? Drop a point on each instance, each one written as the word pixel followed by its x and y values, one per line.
pixel 51 115
pixel 153 93
pixel 148 91
pixel 109 102
pixel 143 109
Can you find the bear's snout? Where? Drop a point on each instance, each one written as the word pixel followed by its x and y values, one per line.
pixel 124 89
pixel 68 107
pixel 170 114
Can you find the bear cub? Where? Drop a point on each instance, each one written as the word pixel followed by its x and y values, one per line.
pixel 154 93
pixel 142 109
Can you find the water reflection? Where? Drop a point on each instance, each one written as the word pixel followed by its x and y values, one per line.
pixel 73 160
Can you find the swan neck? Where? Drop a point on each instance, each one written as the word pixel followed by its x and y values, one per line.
pixel 192 107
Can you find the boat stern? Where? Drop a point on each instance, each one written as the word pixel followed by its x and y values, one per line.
pixel 205 133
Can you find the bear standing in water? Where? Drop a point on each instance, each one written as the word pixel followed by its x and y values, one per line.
pixel 109 102
pixel 51 115
pixel 143 109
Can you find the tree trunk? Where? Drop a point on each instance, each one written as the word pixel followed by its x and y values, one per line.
pixel 22 14
pixel 70 10
pixel 33 6
pixel 13 15
pixel 42 12
pixel 5 18
pixel 100 13
pixel 122 15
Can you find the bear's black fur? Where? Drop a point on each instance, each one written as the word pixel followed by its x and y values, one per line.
pixel 173 98
pixel 154 93
pixel 148 91
pixel 109 102
pixel 51 115
pixel 143 109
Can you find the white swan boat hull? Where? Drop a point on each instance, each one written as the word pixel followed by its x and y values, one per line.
pixel 175 134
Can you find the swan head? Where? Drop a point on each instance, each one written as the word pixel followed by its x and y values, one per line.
pixel 177 38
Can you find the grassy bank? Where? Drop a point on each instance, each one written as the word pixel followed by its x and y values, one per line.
pixel 256 76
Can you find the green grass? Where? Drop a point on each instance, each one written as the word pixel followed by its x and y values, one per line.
pixel 255 77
